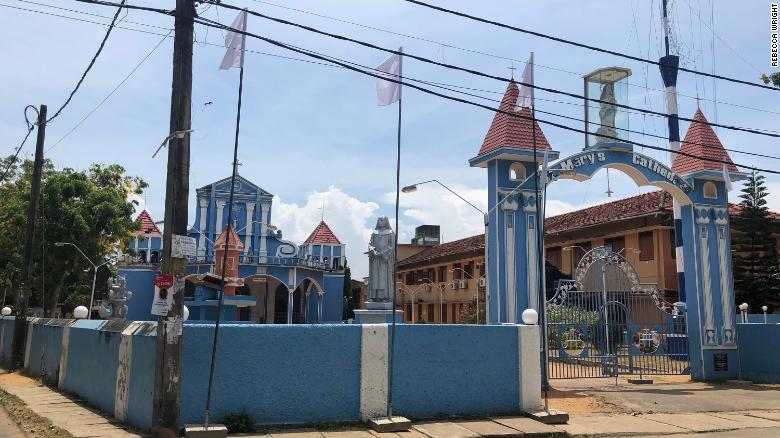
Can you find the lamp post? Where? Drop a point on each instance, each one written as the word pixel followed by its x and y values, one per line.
pixel 94 276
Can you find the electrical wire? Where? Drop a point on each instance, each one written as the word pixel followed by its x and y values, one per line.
pixel 482 74
pixel 30 129
pixel 488 54
pixel 207 22
pixel 90 14
pixel 137 66
pixel 91 63
pixel 584 46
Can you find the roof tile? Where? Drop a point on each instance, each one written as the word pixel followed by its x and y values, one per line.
pixel 323 234
pixel 146 225
pixel 701 141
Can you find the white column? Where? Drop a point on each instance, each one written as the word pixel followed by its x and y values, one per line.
pixel 530 377
pixel 204 205
pixel 727 299
pixel 148 249
pixel 319 307
pixel 533 262
pixel 263 220
pixel 373 370
pixel 704 252
pixel 510 212
pixel 220 208
pixel 290 302
pixel 250 211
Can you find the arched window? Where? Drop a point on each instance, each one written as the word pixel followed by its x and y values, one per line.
pixel 710 191
pixel 517 172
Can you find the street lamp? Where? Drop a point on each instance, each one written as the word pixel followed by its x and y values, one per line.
pixel 94 277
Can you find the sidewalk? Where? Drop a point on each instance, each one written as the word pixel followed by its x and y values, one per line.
pixel 64 412
pixel 9 429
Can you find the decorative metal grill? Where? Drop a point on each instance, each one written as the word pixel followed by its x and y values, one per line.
pixel 604 323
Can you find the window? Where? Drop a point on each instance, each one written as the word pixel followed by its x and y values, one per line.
pixel 455 313
pixel 409 278
pixel 430 274
pixel 554 256
pixel 336 263
pixel 430 312
pixel 578 252
pixel 646 247
pixel 710 191
pixel 443 313
pixel 617 243
pixel 517 172
pixel 409 312
pixel 442 274
pixel 673 244
pixel 457 274
pixel 469 270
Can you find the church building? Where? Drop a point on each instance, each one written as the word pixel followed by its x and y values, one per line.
pixel 271 280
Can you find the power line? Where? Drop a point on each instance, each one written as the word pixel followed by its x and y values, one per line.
pixel 207 22
pixel 482 74
pixel 491 55
pixel 582 45
pixel 137 66
pixel 86 13
pixel 91 63
pixel 30 129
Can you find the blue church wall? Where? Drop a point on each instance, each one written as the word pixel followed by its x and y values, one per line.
pixel 333 299
pixel 307 373
pixel 435 375
pixel 759 362
pixel 318 380
pixel 94 381
pixel 139 280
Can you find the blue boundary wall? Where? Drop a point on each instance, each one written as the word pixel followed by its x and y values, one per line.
pixel 759 357
pixel 293 374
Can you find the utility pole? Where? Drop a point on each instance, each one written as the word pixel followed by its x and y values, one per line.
pixel 20 325
pixel 167 378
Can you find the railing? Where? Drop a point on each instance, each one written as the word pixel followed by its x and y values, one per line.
pixel 267 260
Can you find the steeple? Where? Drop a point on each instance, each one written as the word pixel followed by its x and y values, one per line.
pixel 323 234
pixel 513 132
pixel 701 141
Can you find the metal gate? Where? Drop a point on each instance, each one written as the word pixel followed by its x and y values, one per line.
pixel 604 323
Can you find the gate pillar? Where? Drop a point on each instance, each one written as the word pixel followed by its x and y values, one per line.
pixel 709 280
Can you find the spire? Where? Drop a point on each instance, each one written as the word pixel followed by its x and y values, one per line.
pixel 701 141
pixel 513 132
pixel 232 239
pixel 146 225
pixel 323 234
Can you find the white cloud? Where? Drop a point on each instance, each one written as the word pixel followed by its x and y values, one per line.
pixel 350 219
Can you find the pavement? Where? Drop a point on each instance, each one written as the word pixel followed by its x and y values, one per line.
pixel 9 429
pixel 671 407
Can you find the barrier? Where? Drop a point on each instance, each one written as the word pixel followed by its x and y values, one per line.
pixel 759 358
pixel 292 374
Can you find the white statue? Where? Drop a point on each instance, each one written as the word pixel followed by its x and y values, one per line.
pixel 381 260
pixel 606 132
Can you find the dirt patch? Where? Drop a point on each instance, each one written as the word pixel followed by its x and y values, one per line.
pixel 33 425
pixel 576 402
pixel 14 378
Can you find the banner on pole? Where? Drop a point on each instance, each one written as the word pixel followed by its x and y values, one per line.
pixel 163 294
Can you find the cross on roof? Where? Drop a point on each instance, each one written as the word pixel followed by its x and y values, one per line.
pixel 512 69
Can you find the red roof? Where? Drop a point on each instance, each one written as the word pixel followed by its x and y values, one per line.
pixel 513 132
pixel 323 234
pixel 450 249
pixel 146 225
pixel 701 141
pixel 234 242
pixel 635 206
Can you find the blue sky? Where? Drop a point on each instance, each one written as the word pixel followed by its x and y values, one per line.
pixel 313 135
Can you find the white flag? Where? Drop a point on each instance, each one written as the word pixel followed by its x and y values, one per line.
pixel 544 168
pixel 727 178
pixel 526 97
pixel 389 92
pixel 235 43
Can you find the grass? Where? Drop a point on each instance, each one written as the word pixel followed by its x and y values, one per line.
pixel 33 424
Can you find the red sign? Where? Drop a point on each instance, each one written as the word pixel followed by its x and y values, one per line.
pixel 163 281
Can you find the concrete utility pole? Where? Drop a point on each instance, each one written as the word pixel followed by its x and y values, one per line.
pixel 20 325
pixel 167 378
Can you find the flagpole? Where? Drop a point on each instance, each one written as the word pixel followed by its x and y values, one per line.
pixel 395 261
pixel 227 236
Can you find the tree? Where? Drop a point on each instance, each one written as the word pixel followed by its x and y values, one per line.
pixel 471 314
pixel 89 208
pixel 350 301
pixel 774 78
pixel 755 258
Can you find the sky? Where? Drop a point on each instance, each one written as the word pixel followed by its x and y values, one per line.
pixel 313 134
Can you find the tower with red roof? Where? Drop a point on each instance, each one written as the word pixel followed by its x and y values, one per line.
pixel 147 239
pixel 507 153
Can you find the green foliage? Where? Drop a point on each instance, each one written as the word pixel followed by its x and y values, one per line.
pixel 755 257
pixel 350 301
pixel 471 315
pixel 774 78
pixel 89 208
pixel 238 423
pixel 567 315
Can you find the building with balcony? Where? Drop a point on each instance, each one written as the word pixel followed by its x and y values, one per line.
pixel 272 280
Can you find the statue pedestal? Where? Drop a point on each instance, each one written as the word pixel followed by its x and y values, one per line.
pixel 378 316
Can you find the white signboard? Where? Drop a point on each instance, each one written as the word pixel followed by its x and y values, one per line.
pixel 183 246
pixel 163 295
